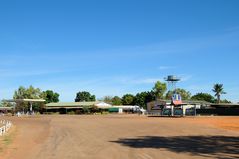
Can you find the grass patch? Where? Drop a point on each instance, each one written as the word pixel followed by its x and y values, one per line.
pixel 7 139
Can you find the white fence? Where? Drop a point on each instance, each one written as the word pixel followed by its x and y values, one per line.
pixel 6 126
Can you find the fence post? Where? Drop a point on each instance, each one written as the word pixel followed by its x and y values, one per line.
pixel 6 126
pixel 1 131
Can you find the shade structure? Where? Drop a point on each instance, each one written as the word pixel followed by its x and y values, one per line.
pixel 25 100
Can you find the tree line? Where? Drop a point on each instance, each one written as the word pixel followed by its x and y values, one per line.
pixel 32 93
pixel 159 91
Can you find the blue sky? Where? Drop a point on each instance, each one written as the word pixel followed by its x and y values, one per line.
pixel 113 47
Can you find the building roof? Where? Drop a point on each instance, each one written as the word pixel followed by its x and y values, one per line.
pixel 185 102
pixel 103 105
pixel 70 104
pixel 196 102
pixel 6 108
pixel 76 105
pixel 25 100
pixel 225 105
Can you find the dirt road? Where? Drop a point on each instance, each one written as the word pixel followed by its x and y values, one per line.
pixel 123 137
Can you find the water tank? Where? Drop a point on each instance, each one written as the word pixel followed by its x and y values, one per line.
pixel 172 78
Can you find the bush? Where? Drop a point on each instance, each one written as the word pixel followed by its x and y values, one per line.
pixel 71 113
pixel 51 113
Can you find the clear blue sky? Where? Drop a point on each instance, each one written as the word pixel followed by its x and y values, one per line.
pixel 113 47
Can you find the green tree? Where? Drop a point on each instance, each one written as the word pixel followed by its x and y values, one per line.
pixel 225 101
pixel 84 97
pixel 50 96
pixel 3 103
pixel 184 94
pixel 28 93
pixel 203 97
pixel 159 89
pixel 20 93
pixel 108 99
pixel 128 99
pixel 141 99
pixel 116 100
pixel 218 90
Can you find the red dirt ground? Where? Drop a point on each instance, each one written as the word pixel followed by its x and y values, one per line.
pixel 121 136
pixel 227 123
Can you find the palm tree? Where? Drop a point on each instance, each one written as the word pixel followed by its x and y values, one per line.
pixel 218 89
